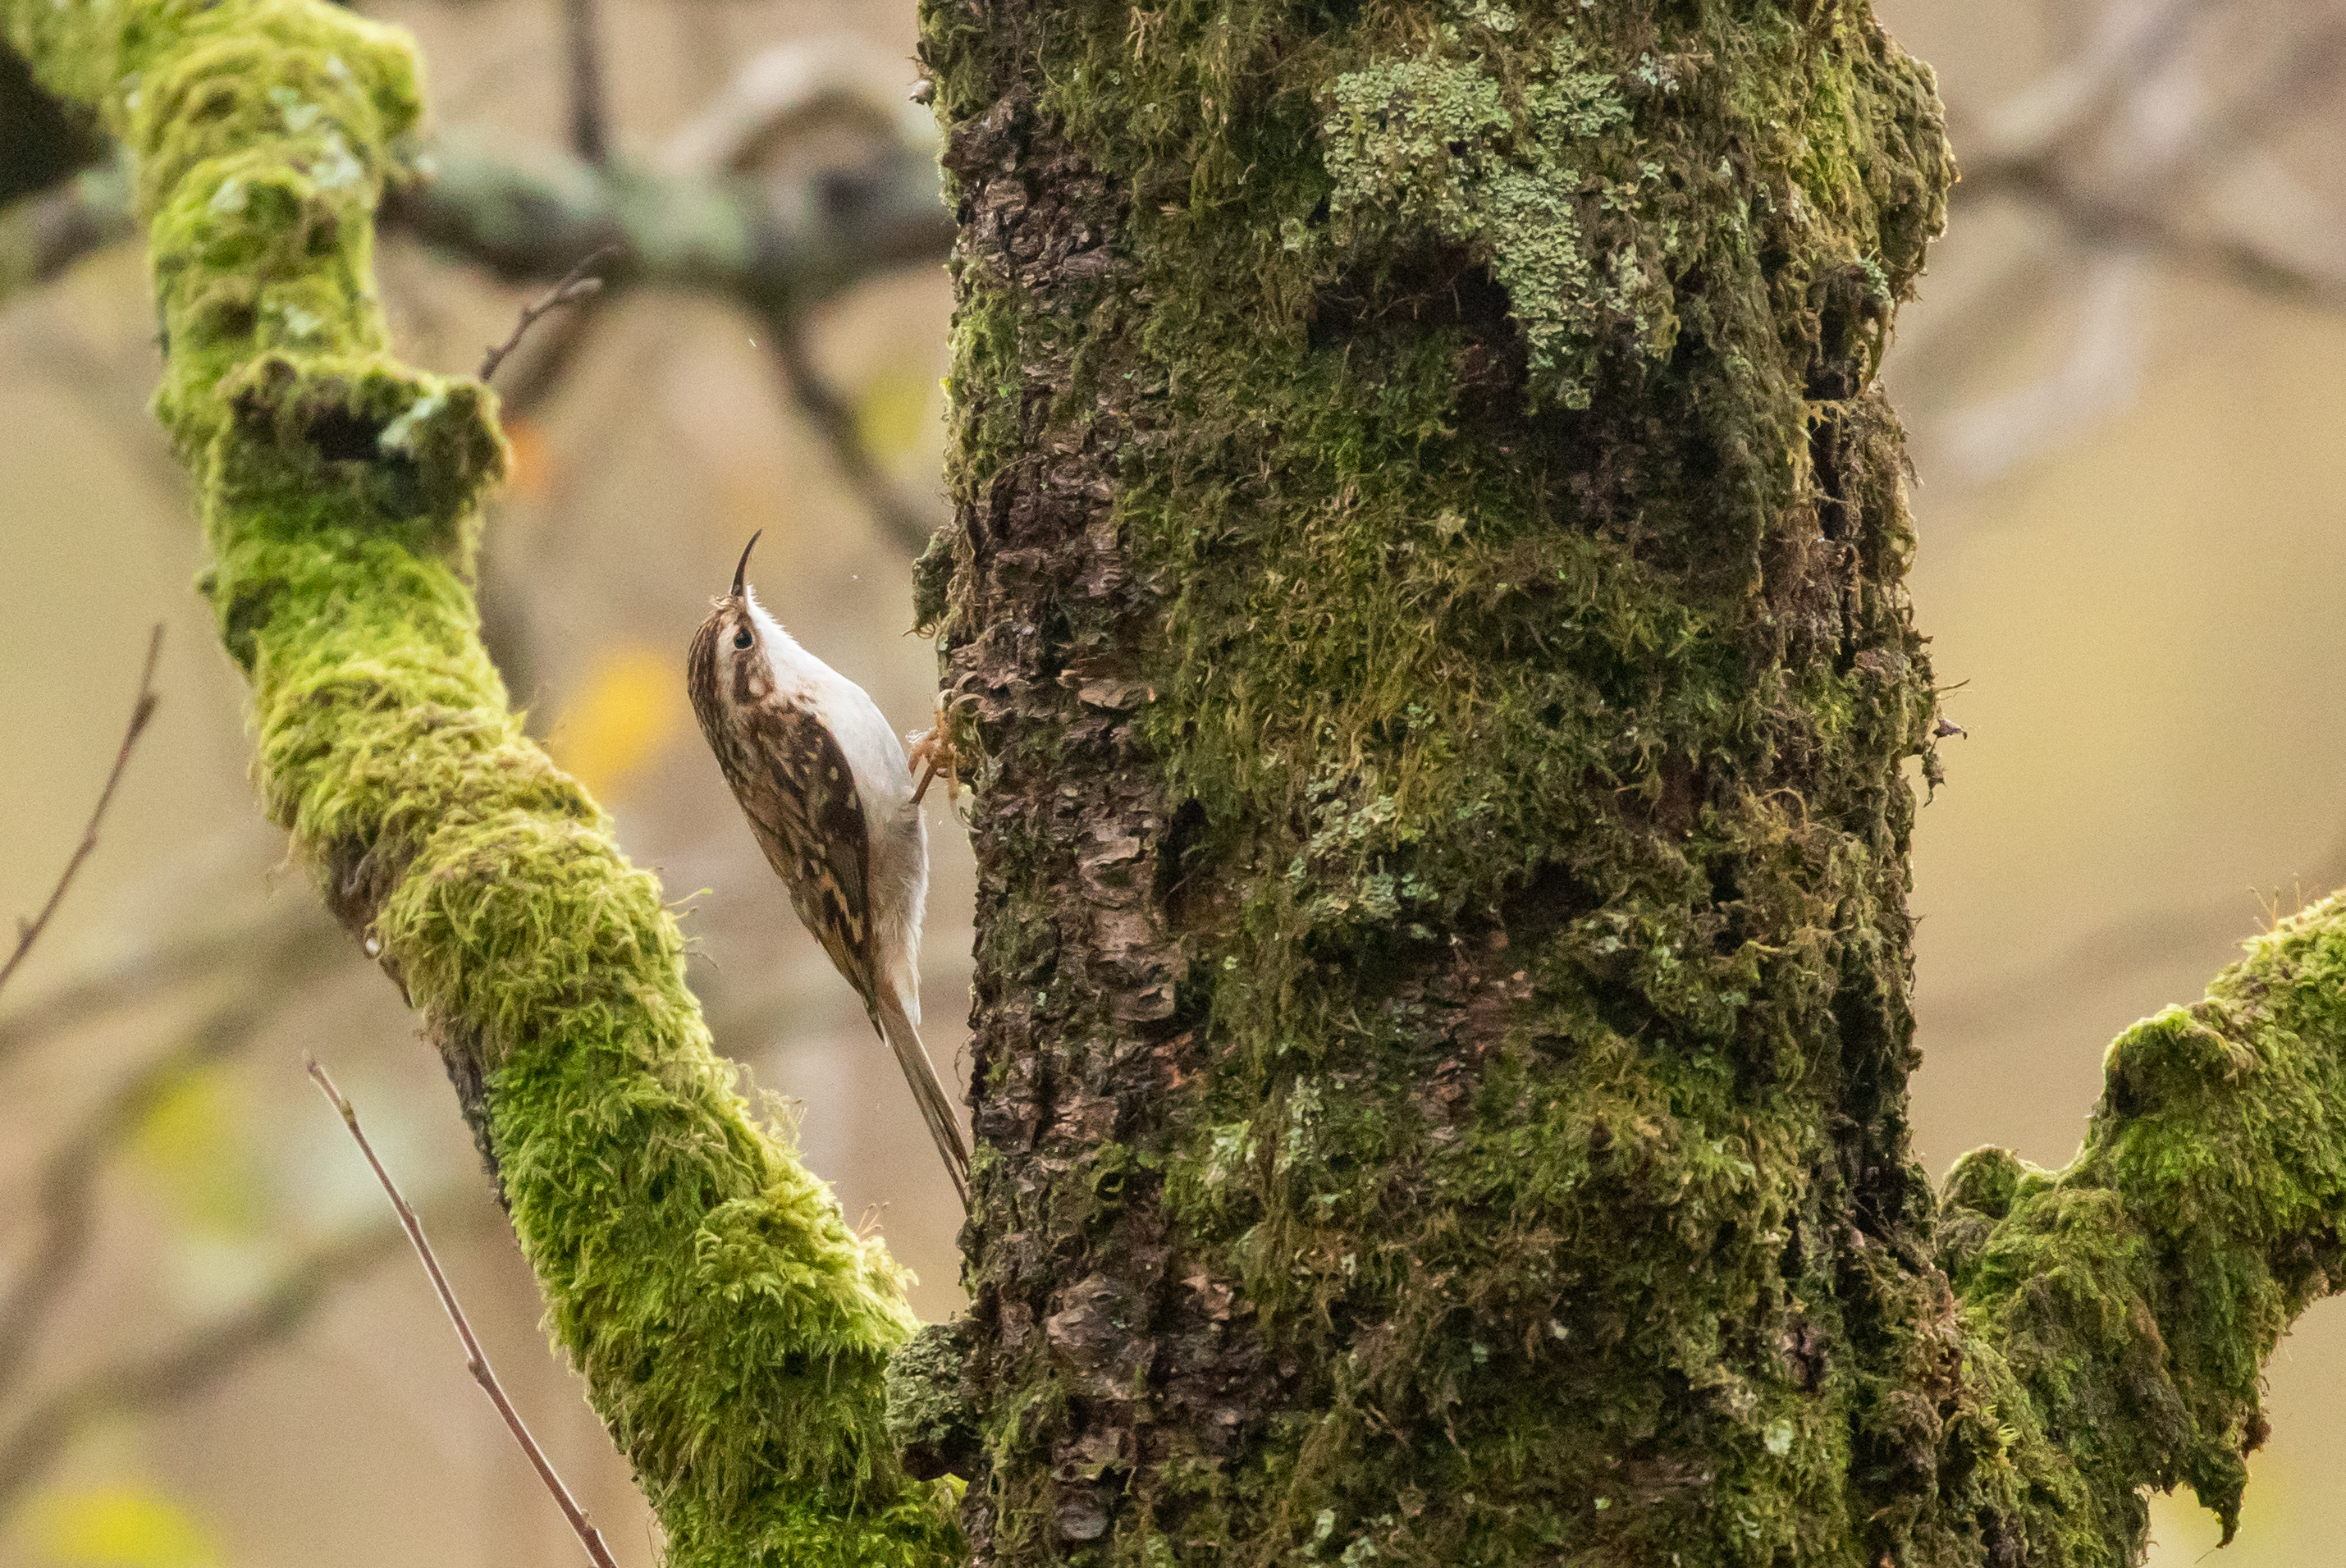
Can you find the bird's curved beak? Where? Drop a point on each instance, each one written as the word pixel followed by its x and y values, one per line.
pixel 742 569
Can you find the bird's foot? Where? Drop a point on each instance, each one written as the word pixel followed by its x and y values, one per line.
pixel 934 756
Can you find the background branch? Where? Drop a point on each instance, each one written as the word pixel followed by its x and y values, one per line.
pixel 144 1383
pixel 29 932
pixel 2107 221
pixel 64 1189
pixel 42 234
pixel 803 241
pixel 833 419
pixel 799 238
pixel 582 27
pixel 779 94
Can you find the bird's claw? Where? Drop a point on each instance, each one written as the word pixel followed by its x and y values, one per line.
pixel 933 754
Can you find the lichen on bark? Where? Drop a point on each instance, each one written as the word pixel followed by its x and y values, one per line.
pixel 1430 576
pixel 732 1330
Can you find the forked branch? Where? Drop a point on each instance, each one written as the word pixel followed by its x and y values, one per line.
pixel 575 285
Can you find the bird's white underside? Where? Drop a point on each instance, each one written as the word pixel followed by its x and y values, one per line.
pixel 899 879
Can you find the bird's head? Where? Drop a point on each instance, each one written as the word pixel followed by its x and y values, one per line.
pixel 727 669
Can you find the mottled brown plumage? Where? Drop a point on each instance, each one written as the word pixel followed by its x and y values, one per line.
pixel 831 801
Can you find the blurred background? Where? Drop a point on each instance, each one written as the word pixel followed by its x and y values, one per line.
pixel 2124 387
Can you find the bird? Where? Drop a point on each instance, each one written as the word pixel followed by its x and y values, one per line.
pixel 830 794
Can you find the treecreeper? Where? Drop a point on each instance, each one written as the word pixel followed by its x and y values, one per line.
pixel 830 794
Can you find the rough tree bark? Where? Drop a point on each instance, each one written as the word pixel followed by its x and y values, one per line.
pixel 1428 582
pixel 1429 575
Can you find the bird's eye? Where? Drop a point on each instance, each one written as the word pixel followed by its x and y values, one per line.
pixel 742 638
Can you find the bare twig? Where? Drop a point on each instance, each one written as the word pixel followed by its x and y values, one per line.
pixel 546 359
pixel 583 36
pixel 575 285
pixel 177 1371
pixel 827 411
pixel 29 932
pixel 476 1360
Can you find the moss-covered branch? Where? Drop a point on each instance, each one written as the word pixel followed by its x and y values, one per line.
pixel 2131 1299
pixel 782 247
pixel 732 1330
pixel 786 247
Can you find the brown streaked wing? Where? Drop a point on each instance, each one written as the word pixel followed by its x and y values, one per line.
pixel 810 822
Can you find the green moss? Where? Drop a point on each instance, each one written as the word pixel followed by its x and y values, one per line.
pixel 2133 1295
pixel 733 1332
pixel 1489 396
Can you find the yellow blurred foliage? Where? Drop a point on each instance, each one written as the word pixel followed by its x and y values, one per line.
pixel 194 1145
pixel 118 1527
pixel 632 705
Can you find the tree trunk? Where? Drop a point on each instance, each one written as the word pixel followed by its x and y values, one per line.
pixel 1430 573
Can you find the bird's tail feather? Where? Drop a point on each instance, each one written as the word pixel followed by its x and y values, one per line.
pixel 928 1091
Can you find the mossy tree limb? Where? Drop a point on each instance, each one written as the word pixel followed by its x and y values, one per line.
pixel 733 1332
pixel 2133 1297
pixel 1429 575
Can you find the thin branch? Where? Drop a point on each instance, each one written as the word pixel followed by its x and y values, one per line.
pixel 546 359
pixel 575 285
pixel 29 932
pixel 138 1384
pixel 834 421
pixel 582 35
pixel 476 1360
